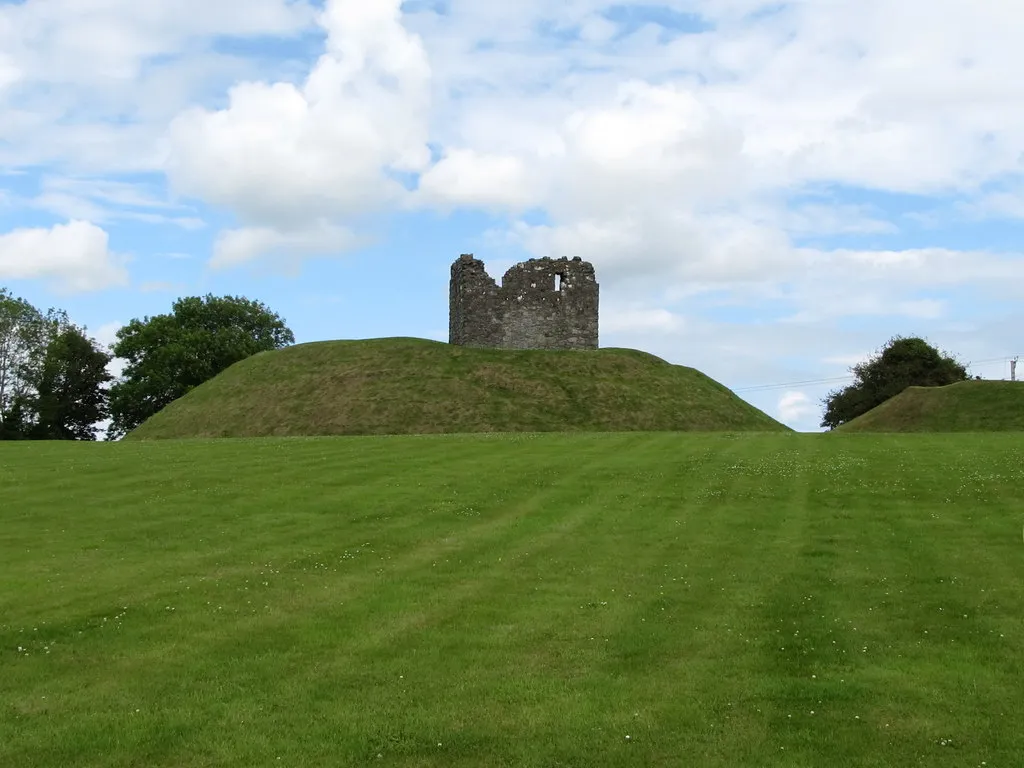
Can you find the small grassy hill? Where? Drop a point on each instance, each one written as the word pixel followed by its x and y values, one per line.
pixel 414 386
pixel 968 406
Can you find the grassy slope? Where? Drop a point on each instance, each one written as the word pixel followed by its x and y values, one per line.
pixel 412 386
pixel 774 600
pixel 969 406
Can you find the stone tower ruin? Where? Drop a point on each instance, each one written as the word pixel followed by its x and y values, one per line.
pixel 540 304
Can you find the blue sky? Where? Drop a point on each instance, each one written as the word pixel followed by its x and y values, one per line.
pixel 768 191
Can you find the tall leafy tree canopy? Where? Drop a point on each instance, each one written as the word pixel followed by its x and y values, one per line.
pixel 169 355
pixel 70 394
pixel 52 376
pixel 903 362
pixel 24 334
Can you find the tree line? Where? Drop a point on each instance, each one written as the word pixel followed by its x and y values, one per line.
pixel 54 381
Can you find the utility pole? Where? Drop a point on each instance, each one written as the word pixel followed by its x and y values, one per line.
pixel 1013 369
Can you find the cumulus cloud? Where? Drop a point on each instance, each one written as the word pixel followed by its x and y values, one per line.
pixel 669 157
pixel 848 360
pixel 240 246
pixel 99 40
pixel 286 157
pixel 641 320
pixel 106 335
pixel 797 408
pixel 600 159
pixel 658 154
pixel 1004 204
pixel 870 95
pixel 831 219
pixel 92 83
pixel 468 178
pixel 73 257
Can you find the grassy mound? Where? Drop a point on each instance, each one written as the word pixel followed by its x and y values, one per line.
pixel 968 406
pixel 456 601
pixel 413 386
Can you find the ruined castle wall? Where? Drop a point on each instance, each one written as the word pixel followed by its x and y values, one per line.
pixel 474 306
pixel 541 304
pixel 550 304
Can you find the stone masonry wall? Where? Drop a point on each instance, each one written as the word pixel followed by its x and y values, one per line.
pixel 541 304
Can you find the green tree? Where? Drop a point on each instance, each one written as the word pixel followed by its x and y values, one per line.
pixel 15 424
pixel 169 355
pixel 25 334
pixel 903 362
pixel 71 393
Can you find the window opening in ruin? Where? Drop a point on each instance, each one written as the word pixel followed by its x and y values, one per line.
pixel 559 277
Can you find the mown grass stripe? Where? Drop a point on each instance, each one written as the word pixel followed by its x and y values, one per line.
pixel 521 600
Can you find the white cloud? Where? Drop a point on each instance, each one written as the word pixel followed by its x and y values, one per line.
pixel 92 83
pixel 643 142
pixel 102 201
pixel 847 361
pixel 669 164
pixel 821 90
pixel 10 72
pixel 468 178
pixel 659 249
pixel 108 43
pixel 996 205
pixel 597 29
pixel 863 301
pixel 84 41
pixel 73 257
pixel 240 246
pixel 796 407
pixel 286 156
pixel 869 94
pixel 654 321
pixel 661 157
pixel 106 334
pixel 832 219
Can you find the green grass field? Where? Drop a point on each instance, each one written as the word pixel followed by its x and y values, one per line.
pixel 528 600
pixel 416 386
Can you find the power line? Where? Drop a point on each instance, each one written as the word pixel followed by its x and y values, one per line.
pixel 837 379
pixel 761 387
pixel 990 361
